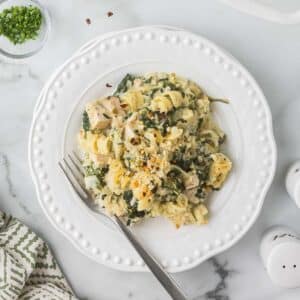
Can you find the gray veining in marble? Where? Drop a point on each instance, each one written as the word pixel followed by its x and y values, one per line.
pixel 269 51
pixel 4 162
pixel 220 290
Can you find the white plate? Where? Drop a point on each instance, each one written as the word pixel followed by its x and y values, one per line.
pixel 85 47
pixel 279 11
pixel 247 122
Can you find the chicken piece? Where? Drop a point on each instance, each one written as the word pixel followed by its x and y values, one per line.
pixel 130 127
pixel 129 133
pixel 97 115
pixel 100 159
pixel 191 182
pixel 117 122
pixel 112 105
pixel 191 195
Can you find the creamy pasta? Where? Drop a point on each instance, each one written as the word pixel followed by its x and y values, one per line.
pixel 152 149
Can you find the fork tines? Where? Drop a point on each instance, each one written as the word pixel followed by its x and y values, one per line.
pixel 73 171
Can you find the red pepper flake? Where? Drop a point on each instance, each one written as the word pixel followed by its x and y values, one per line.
pixel 88 21
pixel 135 141
pixel 110 14
pixel 108 85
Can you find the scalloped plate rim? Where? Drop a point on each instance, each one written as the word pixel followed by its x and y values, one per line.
pixel 210 253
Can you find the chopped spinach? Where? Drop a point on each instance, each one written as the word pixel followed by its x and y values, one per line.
pixel 179 159
pixel 199 123
pixel 148 80
pixel 153 91
pixel 201 193
pixel 123 85
pixel 174 184
pixel 202 170
pixel 134 213
pixel 85 122
pixel 176 177
pixel 132 210
pixel 147 121
pixel 203 175
pixel 98 172
pixel 127 195
pixel 164 125
pixel 166 84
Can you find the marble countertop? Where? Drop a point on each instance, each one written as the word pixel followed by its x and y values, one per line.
pixel 269 51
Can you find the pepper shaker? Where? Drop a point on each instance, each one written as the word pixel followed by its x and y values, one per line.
pixel 280 252
pixel 292 182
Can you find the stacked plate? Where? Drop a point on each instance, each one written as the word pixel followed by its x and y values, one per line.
pixel 246 120
pixel 282 12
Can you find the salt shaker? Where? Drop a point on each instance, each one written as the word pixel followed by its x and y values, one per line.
pixel 280 252
pixel 292 182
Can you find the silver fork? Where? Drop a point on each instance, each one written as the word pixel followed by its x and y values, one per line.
pixel 72 169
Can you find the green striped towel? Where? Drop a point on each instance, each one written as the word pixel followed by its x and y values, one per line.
pixel 28 270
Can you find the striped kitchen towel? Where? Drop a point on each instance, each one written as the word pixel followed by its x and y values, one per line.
pixel 28 270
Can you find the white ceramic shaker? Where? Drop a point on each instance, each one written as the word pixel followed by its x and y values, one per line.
pixel 292 182
pixel 280 252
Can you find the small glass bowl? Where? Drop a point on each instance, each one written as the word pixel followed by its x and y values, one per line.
pixel 30 47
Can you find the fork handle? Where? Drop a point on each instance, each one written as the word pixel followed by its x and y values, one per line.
pixel 161 275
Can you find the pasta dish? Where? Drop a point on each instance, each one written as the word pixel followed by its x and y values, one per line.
pixel 152 149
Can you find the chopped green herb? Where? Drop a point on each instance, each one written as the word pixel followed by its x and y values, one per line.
pixel 20 23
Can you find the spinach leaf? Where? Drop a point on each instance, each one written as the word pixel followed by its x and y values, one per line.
pixel 85 122
pixel 134 213
pixel 123 85
pixel 147 121
pixel 127 195
pixel 98 172
pixel 179 159
pixel 174 184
